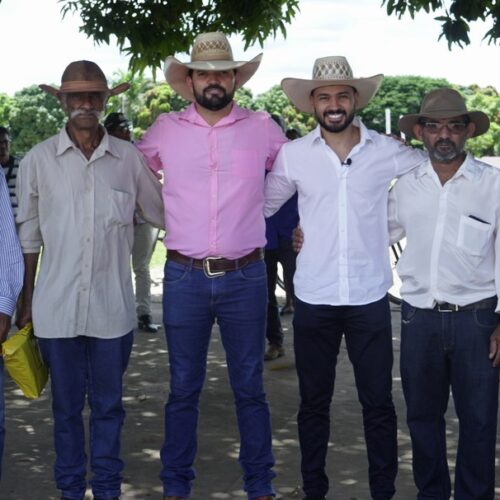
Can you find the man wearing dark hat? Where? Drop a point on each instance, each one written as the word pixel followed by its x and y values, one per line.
pixel 214 156
pixel 77 192
pixel 341 171
pixel 449 210
pixel 145 235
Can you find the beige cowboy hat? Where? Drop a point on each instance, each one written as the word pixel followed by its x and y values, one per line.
pixel 332 70
pixel 211 52
pixel 444 103
pixel 84 76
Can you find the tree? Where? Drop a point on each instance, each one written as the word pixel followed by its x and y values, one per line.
pixel 455 19
pixel 150 30
pixel 5 106
pixel 34 116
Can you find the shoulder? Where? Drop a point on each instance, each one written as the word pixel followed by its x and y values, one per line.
pixel 44 149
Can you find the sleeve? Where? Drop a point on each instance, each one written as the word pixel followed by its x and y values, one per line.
pixel 278 188
pixel 149 197
pixel 396 229
pixel 11 258
pixel 28 221
pixel 148 145
pixel 406 158
pixel 497 258
pixel 276 139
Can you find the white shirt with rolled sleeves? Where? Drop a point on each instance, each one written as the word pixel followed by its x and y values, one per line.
pixel 452 234
pixel 343 213
pixel 81 213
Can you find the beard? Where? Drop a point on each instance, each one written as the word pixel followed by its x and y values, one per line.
pixel 444 150
pixel 334 127
pixel 213 102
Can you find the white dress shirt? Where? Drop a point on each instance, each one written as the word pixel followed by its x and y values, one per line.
pixel 81 212
pixel 343 213
pixel 452 234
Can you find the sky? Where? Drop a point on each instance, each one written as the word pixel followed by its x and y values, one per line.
pixel 39 44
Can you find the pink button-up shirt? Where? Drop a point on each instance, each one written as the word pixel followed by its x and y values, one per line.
pixel 213 187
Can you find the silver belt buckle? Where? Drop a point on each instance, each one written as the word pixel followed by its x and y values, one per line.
pixel 206 268
pixel 447 308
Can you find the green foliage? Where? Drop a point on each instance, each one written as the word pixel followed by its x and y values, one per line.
pixel 34 116
pixel 150 30
pixel 455 18
pixel 5 107
pixel 402 95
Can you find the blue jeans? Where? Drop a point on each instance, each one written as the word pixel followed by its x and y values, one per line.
pixel 92 366
pixel 2 414
pixel 191 304
pixel 318 331
pixel 439 351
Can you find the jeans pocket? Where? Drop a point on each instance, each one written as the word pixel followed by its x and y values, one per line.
pixel 254 272
pixel 174 272
pixel 408 313
pixel 486 318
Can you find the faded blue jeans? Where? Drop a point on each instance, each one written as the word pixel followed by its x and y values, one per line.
pixel 191 304
pixel 439 351
pixel 92 367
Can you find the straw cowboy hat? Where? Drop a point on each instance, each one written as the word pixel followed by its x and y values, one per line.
pixel 332 70
pixel 211 52
pixel 444 103
pixel 84 76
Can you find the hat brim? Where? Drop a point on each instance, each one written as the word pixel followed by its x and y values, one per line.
pixel 299 90
pixel 97 86
pixel 177 71
pixel 480 119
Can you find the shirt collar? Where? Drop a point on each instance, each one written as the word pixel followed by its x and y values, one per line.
pixel 470 169
pixel 191 115
pixel 104 147
pixel 364 135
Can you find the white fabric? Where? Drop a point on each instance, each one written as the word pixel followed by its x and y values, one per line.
pixel 449 256
pixel 343 213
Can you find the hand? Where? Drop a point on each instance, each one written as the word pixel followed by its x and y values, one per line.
pixel 495 346
pixel 297 239
pixel 23 316
pixel 5 320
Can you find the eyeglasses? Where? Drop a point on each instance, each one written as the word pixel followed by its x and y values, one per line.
pixel 436 127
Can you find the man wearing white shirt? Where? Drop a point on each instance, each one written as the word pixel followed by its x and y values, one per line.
pixel 449 210
pixel 342 172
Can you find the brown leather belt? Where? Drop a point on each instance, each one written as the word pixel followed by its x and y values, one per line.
pixel 216 266
pixel 488 303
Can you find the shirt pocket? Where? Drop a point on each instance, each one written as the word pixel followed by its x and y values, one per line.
pixel 474 236
pixel 246 163
pixel 122 208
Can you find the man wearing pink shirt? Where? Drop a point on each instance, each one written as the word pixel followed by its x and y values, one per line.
pixel 214 156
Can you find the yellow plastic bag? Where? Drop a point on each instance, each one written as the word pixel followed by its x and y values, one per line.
pixel 23 361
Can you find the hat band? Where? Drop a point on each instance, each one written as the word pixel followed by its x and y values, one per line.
pixel 84 86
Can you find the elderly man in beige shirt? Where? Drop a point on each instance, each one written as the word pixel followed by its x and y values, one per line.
pixel 77 192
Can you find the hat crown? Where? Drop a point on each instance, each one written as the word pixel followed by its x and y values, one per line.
pixel 332 68
pixel 83 71
pixel 211 47
pixel 444 101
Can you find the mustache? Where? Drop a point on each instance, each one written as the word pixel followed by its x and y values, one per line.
pixel 214 86
pixel 444 142
pixel 78 112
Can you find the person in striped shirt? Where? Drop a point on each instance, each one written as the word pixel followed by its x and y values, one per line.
pixel 11 279
pixel 10 165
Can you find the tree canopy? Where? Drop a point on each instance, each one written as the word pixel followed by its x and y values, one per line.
pixel 455 19
pixel 149 30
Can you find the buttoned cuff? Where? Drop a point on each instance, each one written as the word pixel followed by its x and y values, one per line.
pixel 7 306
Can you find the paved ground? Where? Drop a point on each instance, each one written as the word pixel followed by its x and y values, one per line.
pixel 28 458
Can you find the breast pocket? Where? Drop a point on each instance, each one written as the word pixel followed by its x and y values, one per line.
pixel 246 163
pixel 122 208
pixel 474 236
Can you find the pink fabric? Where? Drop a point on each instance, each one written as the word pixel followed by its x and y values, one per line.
pixel 213 188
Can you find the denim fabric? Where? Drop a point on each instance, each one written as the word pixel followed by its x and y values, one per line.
pixel 439 351
pixel 318 331
pixel 94 367
pixel 191 303
pixel 274 330
pixel 2 414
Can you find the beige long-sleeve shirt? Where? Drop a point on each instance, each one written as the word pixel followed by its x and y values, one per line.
pixel 80 212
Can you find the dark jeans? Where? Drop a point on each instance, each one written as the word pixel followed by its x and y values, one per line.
pixel 92 367
pixel 191 304
pixel 439 351
pixel 318 331
pixel 286 257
